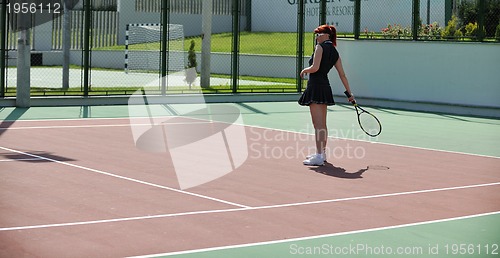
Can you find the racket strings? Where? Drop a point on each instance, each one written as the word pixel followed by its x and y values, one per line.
pixel 369 124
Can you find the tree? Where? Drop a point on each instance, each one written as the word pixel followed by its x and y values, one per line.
pixel 191 67
pixel 192 56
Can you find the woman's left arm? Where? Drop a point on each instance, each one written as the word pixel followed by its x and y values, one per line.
pixel 343 78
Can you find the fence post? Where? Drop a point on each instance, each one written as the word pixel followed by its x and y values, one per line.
pixel 3 28
pixel 416 19
pixel 480 19
pixel 86 47
pixel 206 43
pixel 322 12
pixel 248 14
pixel 165 44
pixel 236 45
pixel 66 45
pixel 357 18
pixel 23 60
pixel 300 43
pixel 448 11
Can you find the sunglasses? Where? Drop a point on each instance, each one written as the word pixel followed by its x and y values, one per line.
pixel 319 34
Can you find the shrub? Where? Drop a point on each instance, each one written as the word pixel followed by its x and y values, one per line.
pixel 430 31
pixel 468 12
pixel 451 30
pixel 190 72
pixel 497 33
pixel 492 17
pixel 396 31
pixel 192 56
pixel 471 29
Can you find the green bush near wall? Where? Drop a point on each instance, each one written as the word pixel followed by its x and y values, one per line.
pixel 497 34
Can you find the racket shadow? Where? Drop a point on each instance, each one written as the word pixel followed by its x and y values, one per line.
pixel 329 169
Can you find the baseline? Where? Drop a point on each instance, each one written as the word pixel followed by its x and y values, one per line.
pixel 251 208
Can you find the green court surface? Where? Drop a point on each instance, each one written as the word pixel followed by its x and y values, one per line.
pixel 472 236
pixel 451 238
pixel 424 130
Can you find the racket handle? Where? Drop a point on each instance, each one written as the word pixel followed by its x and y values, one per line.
pixel 349 96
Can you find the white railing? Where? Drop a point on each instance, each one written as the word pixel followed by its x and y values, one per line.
pixel 220 7
pixel 103 33
pixel 105 25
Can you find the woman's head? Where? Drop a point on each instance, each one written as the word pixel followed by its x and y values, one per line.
pixel 328 29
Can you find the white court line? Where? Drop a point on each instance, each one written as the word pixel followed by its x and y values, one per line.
pixel 250 208
pixel 125 178
pixel 249 126
pixel 317 236
pixel 89 126
pixel 382 143
pixel 81 119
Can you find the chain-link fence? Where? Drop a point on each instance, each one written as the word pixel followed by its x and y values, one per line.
pixel 109 47
pixel 455 20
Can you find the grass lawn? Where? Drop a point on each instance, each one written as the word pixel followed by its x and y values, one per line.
pixel 263 43
pixel 275 43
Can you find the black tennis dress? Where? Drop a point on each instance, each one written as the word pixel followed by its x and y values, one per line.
pixel 318 86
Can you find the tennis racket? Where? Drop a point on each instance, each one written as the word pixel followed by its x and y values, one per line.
pixel 367 121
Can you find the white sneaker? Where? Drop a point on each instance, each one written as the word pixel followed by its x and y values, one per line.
pixel 315 160
pixel 323 155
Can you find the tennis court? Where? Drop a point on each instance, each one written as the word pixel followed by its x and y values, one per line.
pixel 113 181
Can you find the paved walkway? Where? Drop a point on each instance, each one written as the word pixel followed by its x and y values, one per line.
pixel 52 78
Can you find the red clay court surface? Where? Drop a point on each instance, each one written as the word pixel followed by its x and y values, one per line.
pixel 81 188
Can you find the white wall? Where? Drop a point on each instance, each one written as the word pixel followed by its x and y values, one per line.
pixel 441 72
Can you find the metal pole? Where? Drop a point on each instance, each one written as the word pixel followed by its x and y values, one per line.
pixel 236 45
pixel 23 60
pixel 3 28
pixel 300 43
pixel 357 18
pixel 165 45
pixel 416 19
pixel 66 44
pixel 448 10
pixel 322 12
pixel 480 19
pixel 206 43
pixel 248 14
pixel 86 47
pixel 428 11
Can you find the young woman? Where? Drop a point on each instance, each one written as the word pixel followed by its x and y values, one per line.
pixel 318 94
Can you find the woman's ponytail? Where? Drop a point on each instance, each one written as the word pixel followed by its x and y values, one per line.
pixel 333 34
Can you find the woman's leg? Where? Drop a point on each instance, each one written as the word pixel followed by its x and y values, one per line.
pixel 318 115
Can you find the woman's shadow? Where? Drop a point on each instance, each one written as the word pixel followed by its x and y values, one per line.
pixel 331 170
